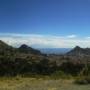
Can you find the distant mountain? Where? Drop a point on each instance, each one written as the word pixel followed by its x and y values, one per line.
pixel 79 51
pixel 7 49
pixel 54 50
pixel 26 49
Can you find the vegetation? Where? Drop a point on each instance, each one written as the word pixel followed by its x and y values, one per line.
pixel 19 83
pixel 28 62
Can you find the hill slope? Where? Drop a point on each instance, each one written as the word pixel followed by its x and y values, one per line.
pixel 7 49
pixel 79 51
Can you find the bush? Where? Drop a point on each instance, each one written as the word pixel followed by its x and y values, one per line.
pixel 83 80
pixel 60 74
pixel 88 79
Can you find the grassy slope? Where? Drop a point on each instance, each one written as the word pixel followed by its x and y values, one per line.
pixel 39 84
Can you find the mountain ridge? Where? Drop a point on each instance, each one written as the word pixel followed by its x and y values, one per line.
pixel 78 51
pixel 5 48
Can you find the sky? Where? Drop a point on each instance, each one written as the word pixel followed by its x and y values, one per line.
pixel 45 23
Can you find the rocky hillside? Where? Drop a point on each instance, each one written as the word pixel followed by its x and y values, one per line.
pixel 7 49
pixel 26 49
pixel 78 51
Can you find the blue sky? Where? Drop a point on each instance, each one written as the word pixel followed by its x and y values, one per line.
pixel 46 18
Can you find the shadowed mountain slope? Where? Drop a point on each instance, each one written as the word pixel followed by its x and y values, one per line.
pixel 26 49
pixel 7 49
pixel 79 51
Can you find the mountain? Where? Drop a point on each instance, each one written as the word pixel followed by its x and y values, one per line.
pixel 4 45
pixel 79 51
pixel 5 48
pixel 54 50
pixel 28 50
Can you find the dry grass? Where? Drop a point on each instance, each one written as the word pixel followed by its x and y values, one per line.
pixel 19 83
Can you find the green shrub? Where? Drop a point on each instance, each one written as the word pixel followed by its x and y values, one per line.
pixel 83 80
pixel 88 79
pixel 60 74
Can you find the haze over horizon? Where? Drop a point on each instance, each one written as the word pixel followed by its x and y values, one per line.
pixel 45 23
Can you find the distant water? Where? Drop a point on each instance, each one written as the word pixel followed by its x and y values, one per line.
pixel 54 50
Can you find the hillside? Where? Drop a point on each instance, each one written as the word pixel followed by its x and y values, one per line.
pixel 27 60
pixel 28 50
pixel 7 49
pixel 78 51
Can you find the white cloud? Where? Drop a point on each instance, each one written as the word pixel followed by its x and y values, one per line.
pixel 50 41
pixel 87 37
pixel 72 36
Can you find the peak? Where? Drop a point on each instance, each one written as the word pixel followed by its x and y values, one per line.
pixel 26 49
pixel 23 46
pixel 77 47
pixel 79 51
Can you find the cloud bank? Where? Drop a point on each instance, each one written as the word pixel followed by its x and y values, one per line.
pixel 45 41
